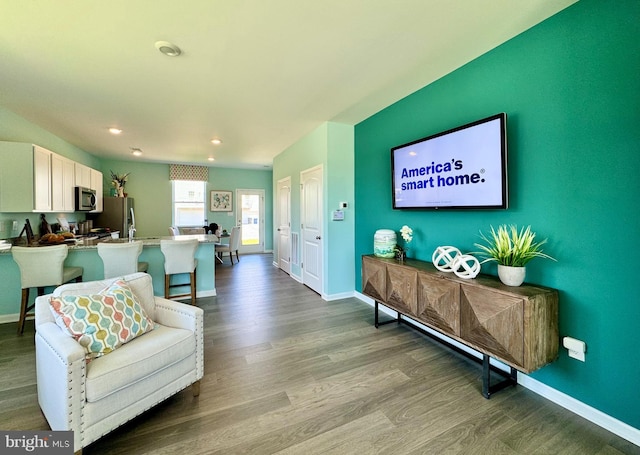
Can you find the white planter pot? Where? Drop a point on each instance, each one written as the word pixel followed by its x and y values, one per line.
pixel 511 276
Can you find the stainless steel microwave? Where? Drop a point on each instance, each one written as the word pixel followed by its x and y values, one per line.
pixel 85 199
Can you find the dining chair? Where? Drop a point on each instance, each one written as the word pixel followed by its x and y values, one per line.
pixel 121 259
pixel 232 246
pixel 41 267
pixel 179 258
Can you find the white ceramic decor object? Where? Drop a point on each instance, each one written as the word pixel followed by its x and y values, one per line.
pixel 443 257
pixel 466 266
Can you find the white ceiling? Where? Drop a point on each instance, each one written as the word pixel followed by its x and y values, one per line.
pixel 259 74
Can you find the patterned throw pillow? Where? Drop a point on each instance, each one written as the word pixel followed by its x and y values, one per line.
pixel 104 321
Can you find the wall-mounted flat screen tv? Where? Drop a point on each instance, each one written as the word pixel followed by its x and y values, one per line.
pixel 461 168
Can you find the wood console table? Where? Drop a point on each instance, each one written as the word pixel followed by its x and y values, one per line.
pixel 515 325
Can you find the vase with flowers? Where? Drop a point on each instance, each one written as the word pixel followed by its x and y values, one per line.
pixel 407 235
pixel 118 181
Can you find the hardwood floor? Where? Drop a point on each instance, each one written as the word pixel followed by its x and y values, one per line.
pixel 288 373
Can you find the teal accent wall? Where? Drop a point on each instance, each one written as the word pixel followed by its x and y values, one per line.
pixel 570 88
pixel 329 145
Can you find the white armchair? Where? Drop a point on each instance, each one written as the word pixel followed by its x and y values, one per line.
pixel 92 399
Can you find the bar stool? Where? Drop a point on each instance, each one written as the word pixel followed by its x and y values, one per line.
pixel 121 259
pixel 179 258
pixel 41 267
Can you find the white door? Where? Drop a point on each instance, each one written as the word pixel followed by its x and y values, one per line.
pixel 284 224
pixel 311 227
pixel 250 204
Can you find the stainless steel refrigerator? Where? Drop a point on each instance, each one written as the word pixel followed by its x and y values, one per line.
pixel 117 214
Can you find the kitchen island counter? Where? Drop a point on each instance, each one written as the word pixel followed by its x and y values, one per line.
pixel 85 254
pixel 92 242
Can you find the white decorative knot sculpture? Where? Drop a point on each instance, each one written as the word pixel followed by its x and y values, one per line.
pixel 466 266
pixel 443 258
pixel 450 259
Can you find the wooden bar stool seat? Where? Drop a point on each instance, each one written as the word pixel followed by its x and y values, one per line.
pixel 179 258
pixel 41 267
pixel 120 259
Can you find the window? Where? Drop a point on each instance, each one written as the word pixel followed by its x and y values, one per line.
pixel 189 203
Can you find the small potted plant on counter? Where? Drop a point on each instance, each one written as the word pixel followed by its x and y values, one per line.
pixel 512 249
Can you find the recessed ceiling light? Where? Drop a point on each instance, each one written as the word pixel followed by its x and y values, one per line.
pixel 216 141
pixel 168 49
pixel 211 158
pixel 136 151
pixel 114 130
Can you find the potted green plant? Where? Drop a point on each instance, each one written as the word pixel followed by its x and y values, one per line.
pixel 512 249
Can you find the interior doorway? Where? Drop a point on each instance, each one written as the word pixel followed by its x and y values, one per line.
pixel 312 220
pixel 284 224
pixel 250 212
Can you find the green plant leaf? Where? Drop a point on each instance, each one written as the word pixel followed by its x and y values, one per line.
pixel 509 246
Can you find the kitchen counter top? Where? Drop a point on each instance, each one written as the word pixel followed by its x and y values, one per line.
pixel 146 241
pixel 92 242
pixel 85 254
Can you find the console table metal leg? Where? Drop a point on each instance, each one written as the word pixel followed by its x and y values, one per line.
pixel 510 378
pixel 377 323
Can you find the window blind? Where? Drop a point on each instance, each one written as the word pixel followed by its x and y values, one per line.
pixel 188 172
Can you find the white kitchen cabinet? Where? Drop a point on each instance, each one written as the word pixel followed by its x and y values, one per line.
pixel 34 179
pixel 62 184
pixel 41 179
pixel 96 184
pixel 83 175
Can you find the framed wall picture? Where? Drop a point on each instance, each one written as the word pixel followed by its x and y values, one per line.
pixel 221 201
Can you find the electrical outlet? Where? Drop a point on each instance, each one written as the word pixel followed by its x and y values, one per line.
pixel 575 348
pixel 14 226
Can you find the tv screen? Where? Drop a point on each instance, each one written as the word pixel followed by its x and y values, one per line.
pixel 461 168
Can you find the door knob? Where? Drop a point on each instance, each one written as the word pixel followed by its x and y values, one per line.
pixel 317 237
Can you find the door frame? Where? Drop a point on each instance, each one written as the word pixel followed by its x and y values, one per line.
pixel 315 283
pixel 259 248
pixel 283 260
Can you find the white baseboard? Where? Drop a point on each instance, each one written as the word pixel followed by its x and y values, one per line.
pixel 6 318
pixel 599 418
pixel 342 295
pixel 209 293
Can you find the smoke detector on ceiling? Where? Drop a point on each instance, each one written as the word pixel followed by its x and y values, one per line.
pixel 168 49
